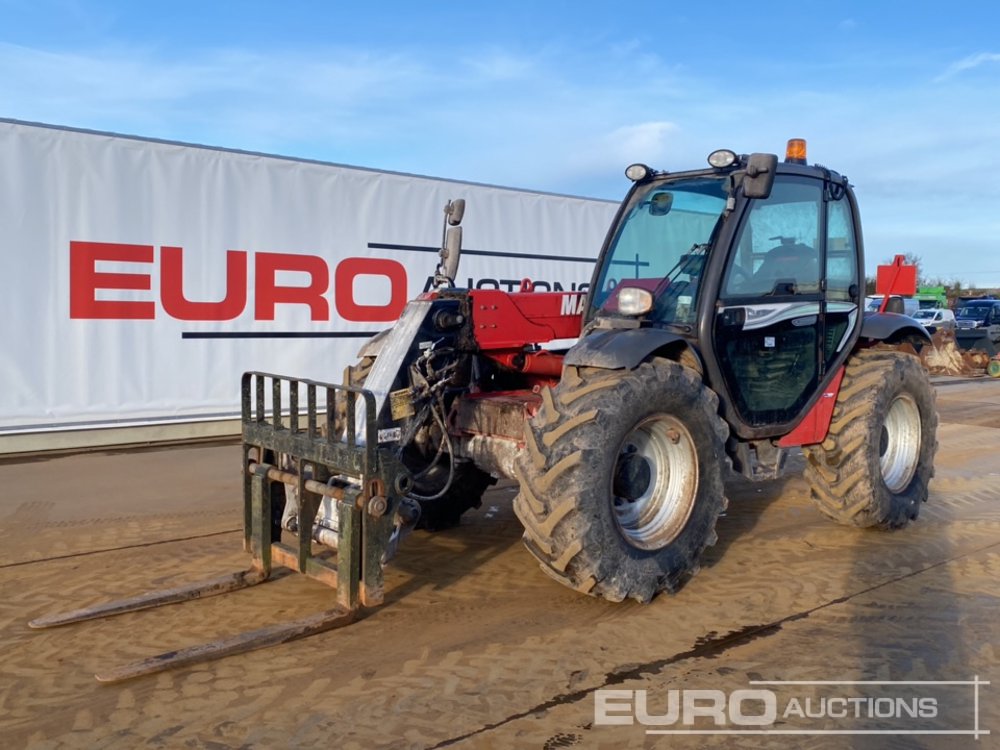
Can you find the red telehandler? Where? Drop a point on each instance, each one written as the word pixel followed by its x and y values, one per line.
pixel 723 326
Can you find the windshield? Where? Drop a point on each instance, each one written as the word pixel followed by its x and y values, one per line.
pixel 973 312
pixel 661 246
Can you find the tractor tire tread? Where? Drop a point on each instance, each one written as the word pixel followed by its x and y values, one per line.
pixel 565 440
pixel 843 471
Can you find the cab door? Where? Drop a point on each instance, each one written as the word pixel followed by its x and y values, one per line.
pixel 842 283
pixel 788 301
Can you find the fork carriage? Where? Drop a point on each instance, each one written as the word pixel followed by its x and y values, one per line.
pixel 332 467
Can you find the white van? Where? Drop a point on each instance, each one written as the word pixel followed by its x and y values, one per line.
pixel 934 319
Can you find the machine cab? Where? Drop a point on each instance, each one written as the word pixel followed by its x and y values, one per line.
pixel 760 272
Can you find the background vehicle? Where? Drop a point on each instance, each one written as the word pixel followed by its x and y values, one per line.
pixel 935 319
pixel 909 304
pixel 978 325
pixel 722 328
pixel 932 297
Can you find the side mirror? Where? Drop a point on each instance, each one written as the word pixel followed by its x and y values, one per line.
pixel 455 211
pixel 661 203
pixel 759 177
pixel 451 244
pixel 450 255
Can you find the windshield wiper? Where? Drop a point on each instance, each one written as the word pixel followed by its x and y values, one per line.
pixel 691 263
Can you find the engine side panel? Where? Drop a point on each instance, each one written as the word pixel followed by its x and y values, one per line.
pixel 504 320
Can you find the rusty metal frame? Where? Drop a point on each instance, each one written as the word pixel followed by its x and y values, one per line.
pixel 363 480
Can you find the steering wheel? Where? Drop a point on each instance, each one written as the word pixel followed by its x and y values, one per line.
pixel 738 277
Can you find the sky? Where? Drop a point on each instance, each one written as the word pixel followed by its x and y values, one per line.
pixel 902 97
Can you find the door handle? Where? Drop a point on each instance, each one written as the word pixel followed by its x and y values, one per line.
pixel 733 317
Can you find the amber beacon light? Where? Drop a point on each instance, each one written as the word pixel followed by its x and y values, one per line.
pixel 795 151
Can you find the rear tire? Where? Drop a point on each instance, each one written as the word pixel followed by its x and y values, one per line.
pixel 621 479
pixel 466 492
pixel 874 466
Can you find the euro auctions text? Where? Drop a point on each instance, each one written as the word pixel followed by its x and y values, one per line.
pixel 941 707
pixel 101 272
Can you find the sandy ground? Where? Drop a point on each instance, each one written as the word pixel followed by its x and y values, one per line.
pixel 475 646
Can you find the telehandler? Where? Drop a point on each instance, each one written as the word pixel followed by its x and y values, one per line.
pixel 723 327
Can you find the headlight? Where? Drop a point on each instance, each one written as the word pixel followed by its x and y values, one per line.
pixel 722 158
pixel 637 172
pixel 634 301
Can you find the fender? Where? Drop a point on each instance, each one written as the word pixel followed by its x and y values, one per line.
pixel 618 349
pixel 886 326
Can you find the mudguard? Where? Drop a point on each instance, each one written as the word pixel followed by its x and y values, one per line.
pixel 889 326
pixel 618 349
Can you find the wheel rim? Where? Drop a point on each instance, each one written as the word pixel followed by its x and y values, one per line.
pixel 899 445
pixel 654 483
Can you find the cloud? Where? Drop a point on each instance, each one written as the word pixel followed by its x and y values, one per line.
pixel 968 63
pixel 229 97
pixel 592 163
pixel 646 141
pixel 563 119
pixel 498 65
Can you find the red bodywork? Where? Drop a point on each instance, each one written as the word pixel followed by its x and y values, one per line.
pixel 511 321
pixel 504 324
pixel 508 327
pixel 816 423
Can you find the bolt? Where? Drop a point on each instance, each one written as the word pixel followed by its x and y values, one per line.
pixel 377 506
pixel 674 436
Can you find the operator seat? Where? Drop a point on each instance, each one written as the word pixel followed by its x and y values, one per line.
pixel 789 262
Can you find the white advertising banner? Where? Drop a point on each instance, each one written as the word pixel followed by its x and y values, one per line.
pixel 141 278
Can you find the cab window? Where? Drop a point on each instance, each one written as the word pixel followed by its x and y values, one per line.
pixel 841 251
pixel 777 252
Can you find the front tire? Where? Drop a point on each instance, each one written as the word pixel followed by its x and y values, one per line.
pixel 874 467
pixel 621 480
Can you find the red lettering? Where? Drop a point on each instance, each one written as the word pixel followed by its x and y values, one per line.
pixel 86 283
pixel 267 293
pixel 176 305
pixel 85 280
pixel 349 269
